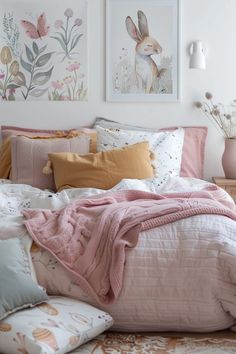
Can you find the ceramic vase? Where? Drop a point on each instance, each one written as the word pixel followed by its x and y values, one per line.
pixel 229 158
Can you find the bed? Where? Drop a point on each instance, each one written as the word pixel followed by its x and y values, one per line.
pixel 180 276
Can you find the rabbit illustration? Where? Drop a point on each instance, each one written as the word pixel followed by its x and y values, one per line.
pixel 146 70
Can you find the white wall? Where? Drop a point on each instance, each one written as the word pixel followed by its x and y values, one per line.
pixel 212 21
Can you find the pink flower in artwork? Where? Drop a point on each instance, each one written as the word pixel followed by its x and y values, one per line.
pixel 11 91
pixel 2 75
pixel 78 22
pixel 68 80
pixel 73 67
pixel 58 24
pixel 57 85
pixel 64 98
pixel 68 12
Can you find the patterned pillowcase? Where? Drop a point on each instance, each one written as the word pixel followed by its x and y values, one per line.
pixel 193 155
pixel 167 146
pixel 58 326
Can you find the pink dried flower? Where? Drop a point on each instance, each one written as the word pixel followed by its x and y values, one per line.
pixel 73 67
pixel 69 12
pixel 78 22
pixel 58 24
pixel 2 75
pixel 57 85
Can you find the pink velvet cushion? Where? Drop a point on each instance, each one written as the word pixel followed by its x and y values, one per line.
pixel 193 155
pixel 29 156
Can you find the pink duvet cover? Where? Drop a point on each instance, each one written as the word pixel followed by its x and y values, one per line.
pixel 179 277
pixel 89 237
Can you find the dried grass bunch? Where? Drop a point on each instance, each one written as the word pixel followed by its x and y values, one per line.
pixel 224 117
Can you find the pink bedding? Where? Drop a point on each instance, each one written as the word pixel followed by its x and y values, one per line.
pixel 180 276
pixel 89 236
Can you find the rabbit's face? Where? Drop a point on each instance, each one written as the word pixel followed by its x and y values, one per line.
pixel 148 46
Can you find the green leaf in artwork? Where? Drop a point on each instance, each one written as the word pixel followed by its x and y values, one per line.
pixel 12 86
pixel 38 92
pixel 75 41
pixel 25 65
pixel 61 42
pixel 63 38
pixel 40 79
pixel 11 97
pixel 1 86
pixel 44 59
pixel 41 50
pixel 35 48
pixel 29 54
pixel 19 79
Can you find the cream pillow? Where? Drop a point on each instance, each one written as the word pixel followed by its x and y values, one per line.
pixel 102 170
pixel 167 146
pixel 58 326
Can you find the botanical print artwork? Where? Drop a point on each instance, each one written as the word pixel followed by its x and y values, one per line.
pixel 143 60
pixel 43 50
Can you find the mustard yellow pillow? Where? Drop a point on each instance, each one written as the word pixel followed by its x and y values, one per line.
pixel 101 170
pixel 5 158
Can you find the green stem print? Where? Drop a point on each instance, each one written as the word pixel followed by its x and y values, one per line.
pixel 35 66
pixel 67 35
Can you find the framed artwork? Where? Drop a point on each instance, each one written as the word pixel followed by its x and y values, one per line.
pixel 142 50
pixel 43 50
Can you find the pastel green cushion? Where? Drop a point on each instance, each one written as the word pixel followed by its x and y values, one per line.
pixel 17 289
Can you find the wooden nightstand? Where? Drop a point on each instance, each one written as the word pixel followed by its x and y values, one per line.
pixel 227 184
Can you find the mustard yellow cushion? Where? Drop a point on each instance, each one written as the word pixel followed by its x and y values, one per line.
pixel 5 158
pixel 101 170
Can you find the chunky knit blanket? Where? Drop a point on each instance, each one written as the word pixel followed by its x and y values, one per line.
pixel 89 237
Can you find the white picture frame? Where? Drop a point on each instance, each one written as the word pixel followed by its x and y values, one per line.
pixel 142 50
pixel 43 50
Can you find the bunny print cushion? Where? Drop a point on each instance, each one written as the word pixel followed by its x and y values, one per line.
pixel 57 326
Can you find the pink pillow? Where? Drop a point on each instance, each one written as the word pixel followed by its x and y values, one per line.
pixel 193 155
pixel 29 156
pixel 8 130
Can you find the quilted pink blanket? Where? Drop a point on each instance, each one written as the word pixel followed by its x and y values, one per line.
pixel 89 236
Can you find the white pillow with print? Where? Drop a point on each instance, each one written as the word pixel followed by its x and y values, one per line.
pixel 167 146
pixel 57 326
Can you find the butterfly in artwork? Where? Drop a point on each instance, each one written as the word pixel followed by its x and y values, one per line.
pixel 38 31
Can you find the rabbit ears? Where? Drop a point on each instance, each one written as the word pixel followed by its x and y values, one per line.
pixel 133 31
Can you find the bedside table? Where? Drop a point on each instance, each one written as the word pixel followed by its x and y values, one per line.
pixel 229 185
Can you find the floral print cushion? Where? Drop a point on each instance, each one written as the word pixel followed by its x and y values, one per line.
pixel 57 326
pixel 167 146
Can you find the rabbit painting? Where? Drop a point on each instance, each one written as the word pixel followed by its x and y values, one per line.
pixel 146 71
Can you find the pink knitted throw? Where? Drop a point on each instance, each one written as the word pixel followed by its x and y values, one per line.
pixel 89 236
